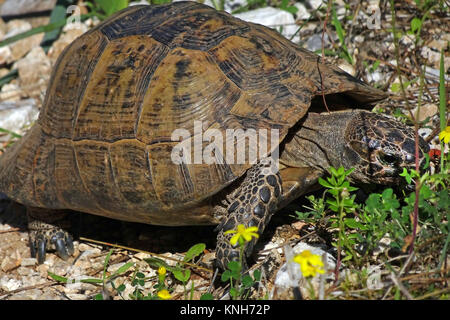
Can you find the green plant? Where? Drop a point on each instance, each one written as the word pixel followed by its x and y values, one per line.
pixel 286 7
pixel 107 7
pixel 103 281
pixel 179 271
pixel 341 35
pixel 234 272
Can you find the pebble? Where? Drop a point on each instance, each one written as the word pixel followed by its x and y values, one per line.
pixel 272 17
pixel 26 262
pixel 290 276
pixel 15 115
pixel 426 111
pixel 34 72
pixel 9 284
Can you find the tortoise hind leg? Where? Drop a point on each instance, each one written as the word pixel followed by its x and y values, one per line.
pixel 252 204
pixel 47 231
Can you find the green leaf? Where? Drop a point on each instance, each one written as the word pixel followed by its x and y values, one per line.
pixel 13 134
pixel 257 275
pixel 247 281
pixel 91 280
pixel 234 293
pixel 156 263
pixel 234 266
pixel 123 268
pixel 179 275
pixel 416 23
pixel 98 296
pixel 395 87
pixel 226 275
pixel 407 176
pixel 56 277
pixel 58 14
pixel 194 251
pixel 325 183
pixel 110 7
pixel 352 223
pixel 207 296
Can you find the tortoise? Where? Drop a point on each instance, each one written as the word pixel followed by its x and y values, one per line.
pixel 104 140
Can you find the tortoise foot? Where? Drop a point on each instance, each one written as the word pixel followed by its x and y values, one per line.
pixel 47 232
pixel 251 205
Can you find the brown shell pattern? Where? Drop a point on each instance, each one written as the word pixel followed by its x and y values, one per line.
pixel 102 143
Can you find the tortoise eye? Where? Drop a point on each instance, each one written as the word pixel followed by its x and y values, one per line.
pixel 387 159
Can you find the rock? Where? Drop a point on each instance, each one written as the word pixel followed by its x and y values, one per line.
pixel 5 55
pixel 434 57
pixel 9 284
pixel 10 92
pixel 3 28
pixel 314 4
pixel 22 47
pixel 347 67
pixel 314 42
pixel 302 13
pixel 28 262
pixel 273 18
pixel 19 7
pixel 9 264
pixel 426 110
pixel 289 276
pixel 34 72
pixel 16 115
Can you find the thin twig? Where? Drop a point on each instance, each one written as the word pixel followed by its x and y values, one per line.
pixel 36 286
pixel 147 252
pixel 401 287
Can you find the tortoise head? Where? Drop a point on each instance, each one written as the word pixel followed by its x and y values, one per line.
pixel 379 148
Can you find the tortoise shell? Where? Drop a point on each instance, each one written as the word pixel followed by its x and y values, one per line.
pixel 103 140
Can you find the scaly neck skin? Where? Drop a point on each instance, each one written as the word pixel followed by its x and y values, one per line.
pixel 320 142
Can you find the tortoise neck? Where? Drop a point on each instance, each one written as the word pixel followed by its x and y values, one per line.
pixel 319 141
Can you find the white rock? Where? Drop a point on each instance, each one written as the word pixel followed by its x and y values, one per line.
pixel 374 278
pixel 11 92
pixel 34 72
pixel 314 4
pixel 344 65
pixel 290 274
pixel 273 18
pixel 315 42
pixel 10 284
pixel 15 115
pixel 374 76
pixel 28 262
pixel 302 13
pixel 5 55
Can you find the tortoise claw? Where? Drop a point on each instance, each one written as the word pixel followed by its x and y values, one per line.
pixel 60 241
pixel 48 232
pixel 39 247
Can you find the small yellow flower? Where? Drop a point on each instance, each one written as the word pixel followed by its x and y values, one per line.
pixel 310 264
pixel 164 294
pixel 445 135
pixel 162 271
pixel 242 234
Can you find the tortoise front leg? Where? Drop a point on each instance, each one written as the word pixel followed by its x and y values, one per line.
pixel 252 204
pixel 47 231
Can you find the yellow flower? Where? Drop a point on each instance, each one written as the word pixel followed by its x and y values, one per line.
pixel 445 135
pixel 310 264
pixel 164 294
pixel 242 234
pixel 162 271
